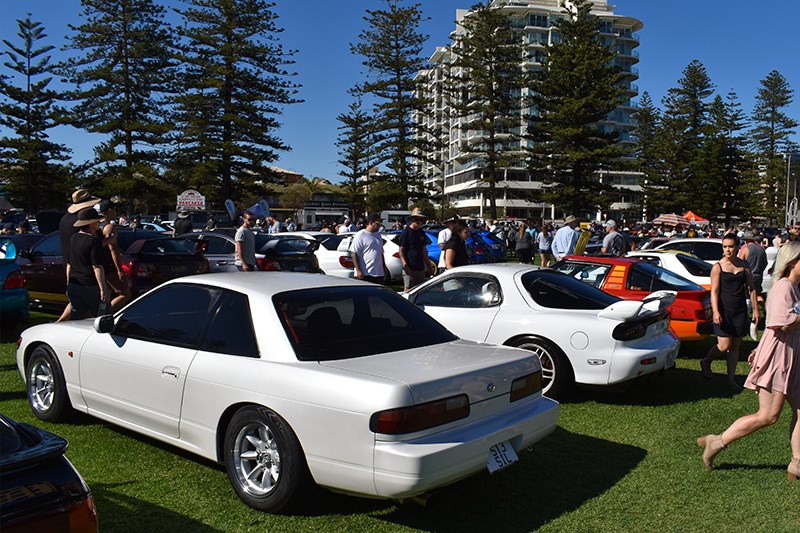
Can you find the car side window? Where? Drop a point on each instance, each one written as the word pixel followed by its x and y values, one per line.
pixel 590 273
pixel 649 259
pixel 462 291
pixel 176 314
pixel 50 245
pixel 680 246
pixel 695 267
pixel 708 251
pixel 232 314
pixel 218 245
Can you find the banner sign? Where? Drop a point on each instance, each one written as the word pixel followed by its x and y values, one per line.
pixel 191 200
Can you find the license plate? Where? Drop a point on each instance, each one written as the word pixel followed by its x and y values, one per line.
pixel 177 270
pixel 300 268
pixel 500 456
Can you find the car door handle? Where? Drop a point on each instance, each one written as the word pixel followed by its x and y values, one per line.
pixel 170 372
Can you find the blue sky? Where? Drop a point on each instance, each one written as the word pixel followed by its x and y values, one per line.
pixel 738 42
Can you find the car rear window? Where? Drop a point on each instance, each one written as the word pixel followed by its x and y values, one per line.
pixel 333 323
pixel 647 277
pixel 169 246
pixel 559 291
pixel 694 266
pixel 127 237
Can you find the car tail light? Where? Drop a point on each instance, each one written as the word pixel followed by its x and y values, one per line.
pixel 627 331
pixel 133 268
pixel 268 264
pixel 14 280
pixel 83 516
pixel 346 261
pixel 701 314
pixel 419 417
pixel 526 385
pixel 396 255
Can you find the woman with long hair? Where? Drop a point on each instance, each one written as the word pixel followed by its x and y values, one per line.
pixel 524 245
pixel 455 249
pixel 545 240
pixel 775 372
pixel 731 285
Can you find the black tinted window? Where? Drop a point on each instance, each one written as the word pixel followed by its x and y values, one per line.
pixel 677 245
pixel 646 277
pixel 708 251
pixel 126 237
pixel 346 322
pixel 695 266
pixel 218 245
pixel 232 315
pixel 590 273
pixel 555 290
pixel 176 314
pixel 462 291
pixel 169 246
pixel 50 245
pixel 332 242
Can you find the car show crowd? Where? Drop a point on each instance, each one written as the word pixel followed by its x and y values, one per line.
pixel 630 291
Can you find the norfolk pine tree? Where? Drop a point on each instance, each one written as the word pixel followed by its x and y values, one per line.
pixel 29 161
pixel 391 48
pixel 683 127
pixel 355 151
pixel 647 118
pixel 771 136
pixel 576 89
pixel 121 77
pixel 486 91
pixel 233 84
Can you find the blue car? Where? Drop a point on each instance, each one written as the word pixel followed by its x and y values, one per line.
pixel 497 250
pixel 13 294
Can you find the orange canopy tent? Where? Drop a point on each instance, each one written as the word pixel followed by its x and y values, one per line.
pixel 695 218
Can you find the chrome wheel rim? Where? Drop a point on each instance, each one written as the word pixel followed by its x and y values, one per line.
pixel 257 459
pixel 41 386
pixel 546 360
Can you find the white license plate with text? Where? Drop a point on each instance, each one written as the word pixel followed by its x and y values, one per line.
pixel 500 456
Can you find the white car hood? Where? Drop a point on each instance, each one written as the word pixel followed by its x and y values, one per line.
pixel 432 372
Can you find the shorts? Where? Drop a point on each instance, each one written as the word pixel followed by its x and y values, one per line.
pixel 415 278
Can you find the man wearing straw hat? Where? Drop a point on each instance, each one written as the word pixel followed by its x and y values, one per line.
pixel 414 250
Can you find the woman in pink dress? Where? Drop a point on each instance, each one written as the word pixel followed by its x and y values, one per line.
pixel 775 373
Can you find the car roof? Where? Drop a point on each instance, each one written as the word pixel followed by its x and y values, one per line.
pixel 660 252
pixel 694 239
pixel 610 260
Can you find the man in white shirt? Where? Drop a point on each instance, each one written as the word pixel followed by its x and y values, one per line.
pixel 444 236
pixel 565 238
pixel 366 250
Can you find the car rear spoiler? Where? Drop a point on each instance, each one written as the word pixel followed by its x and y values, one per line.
pixel 627 309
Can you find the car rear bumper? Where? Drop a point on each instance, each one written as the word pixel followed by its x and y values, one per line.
pixel 14 303
pixel 408 468
pixel 636 361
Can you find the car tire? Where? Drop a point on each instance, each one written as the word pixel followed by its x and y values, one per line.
pixel 264 461
pixel 558 378
pixel 46 387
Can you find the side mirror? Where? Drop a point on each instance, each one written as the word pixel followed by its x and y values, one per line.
pixel 104 324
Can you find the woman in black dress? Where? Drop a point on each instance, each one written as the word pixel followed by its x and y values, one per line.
pixel 731 285
pixel 455 249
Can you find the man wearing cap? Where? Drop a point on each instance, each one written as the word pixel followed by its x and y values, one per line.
pixel 366 250
pixel 182 224
pixel 111 257
pixel 613 242
pixel 8 229
pixel 565 238
pixel 414 250
pixel 756 258
pixel 443 237
pixel 86 280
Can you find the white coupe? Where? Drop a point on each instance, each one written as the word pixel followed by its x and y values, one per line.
pixel 581 334
pixel 290 379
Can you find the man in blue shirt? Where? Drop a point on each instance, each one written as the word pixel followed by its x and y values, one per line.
pixel 566 238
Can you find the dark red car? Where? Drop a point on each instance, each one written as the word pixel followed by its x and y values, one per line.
pixel 149 259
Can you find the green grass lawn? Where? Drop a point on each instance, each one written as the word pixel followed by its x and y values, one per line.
pixel 619 461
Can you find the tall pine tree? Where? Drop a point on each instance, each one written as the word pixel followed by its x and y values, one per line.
pixel 683 127
pixel 577 88
pixel 233 85
pixel 31 164
pixel 647 118
pixel 391 49
pixel 355 151
pixel 771 138
pixel 486 91
pixel 122 73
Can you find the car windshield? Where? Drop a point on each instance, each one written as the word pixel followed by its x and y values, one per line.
pixel 333 323
pixel 559 291
pixel 591 273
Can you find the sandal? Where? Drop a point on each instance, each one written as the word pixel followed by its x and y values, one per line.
pixel 705 369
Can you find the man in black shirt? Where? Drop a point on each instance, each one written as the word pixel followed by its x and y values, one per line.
pixel 182 223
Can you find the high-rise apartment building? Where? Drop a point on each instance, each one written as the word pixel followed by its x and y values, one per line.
pixel 458 172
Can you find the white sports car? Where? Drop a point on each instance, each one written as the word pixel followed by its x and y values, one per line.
pixel 581 334
pixel 290 379
pixel 684 264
